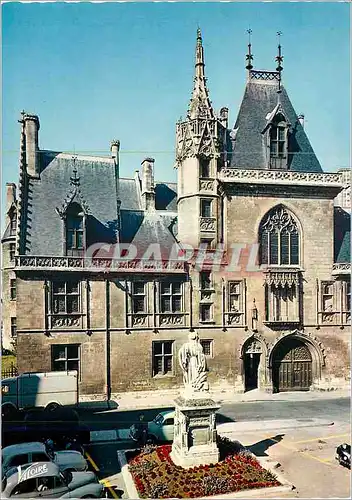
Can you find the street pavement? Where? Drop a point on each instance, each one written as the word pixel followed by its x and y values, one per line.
pixel 328 409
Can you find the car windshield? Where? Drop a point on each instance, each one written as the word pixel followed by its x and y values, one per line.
pixel 159 419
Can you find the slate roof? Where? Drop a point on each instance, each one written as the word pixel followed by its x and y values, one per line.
pixel 342 236
pixel 249 149
pixel 97 185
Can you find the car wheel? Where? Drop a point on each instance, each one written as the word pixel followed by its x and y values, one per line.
pixel 52 407
pixel 8 412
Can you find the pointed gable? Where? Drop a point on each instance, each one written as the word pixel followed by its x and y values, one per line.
pixel 259 106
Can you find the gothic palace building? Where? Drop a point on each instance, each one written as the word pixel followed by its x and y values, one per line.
pixel 259 185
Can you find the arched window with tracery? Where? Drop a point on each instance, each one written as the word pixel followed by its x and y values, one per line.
pixel 75 230
pixel 279 238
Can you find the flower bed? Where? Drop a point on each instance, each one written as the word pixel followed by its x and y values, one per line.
pixel 156 476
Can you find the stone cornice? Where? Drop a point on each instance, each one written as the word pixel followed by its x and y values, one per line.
pixel 256 176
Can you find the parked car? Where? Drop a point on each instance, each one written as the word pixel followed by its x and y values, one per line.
pixel 161 428
pixel 343 454
pixel 25 453
pixel 45 480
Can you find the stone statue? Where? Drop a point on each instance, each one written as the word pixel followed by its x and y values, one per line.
pixel 193 363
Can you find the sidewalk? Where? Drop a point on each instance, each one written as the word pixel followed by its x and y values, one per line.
pixel 165 399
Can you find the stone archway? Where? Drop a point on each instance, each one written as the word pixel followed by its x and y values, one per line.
pixel 295 361
pixel 254 362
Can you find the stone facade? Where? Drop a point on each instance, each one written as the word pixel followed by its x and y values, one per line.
pixel 276 327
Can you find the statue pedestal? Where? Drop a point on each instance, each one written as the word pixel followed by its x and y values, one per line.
pixel 195 432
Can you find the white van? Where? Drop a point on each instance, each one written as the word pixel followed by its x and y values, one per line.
pixel 39 390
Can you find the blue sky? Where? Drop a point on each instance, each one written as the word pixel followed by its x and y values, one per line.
pixel 95 72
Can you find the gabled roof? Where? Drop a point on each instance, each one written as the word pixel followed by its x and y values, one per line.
pixel 96 190
pixel 249 148
pixel 97 187
pixel 342 236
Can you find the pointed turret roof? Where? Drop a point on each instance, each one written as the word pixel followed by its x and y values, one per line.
pixel 261 102
pixel 200 105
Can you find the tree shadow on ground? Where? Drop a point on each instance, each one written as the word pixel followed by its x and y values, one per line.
pixel 259 449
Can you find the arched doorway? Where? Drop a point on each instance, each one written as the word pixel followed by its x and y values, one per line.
pixel 251 360
pixel 292 366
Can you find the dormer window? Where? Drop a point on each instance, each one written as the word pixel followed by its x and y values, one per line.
pixel 278 133
pixel 75 230
pixel 13 224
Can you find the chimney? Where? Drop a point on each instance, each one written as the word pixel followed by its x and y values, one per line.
pixel 10 195
pixel 115 149
pixel 31 128
pixel 224 117
pixel 301 119
pixel 148 190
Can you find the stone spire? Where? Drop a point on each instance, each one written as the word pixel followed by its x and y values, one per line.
pixel 200 105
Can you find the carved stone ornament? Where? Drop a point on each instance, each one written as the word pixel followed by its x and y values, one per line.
pixel 139 320
pixel 206 185
pixel 282 278
pixel 207 224
pixel 65 321
pixel 171 319
pixel 262 176
pixel 306 337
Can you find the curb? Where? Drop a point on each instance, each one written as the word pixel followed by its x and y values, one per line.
pixel 127 476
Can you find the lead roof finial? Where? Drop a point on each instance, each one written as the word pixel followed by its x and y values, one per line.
pixel 249 56
pixel 279 58
pixel 75 180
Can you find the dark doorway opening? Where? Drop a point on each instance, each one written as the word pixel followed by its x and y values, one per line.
pixel 251 366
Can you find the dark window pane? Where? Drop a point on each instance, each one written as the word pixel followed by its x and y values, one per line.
pixel 72 287
pixel 158 347
pixel 39 457
pixel 59 366
pixel 72 304
pixel 165 304
pixel 58 287
pixel 206 347
pixel 168 364
pixel 273 133
pixel 273 239
pixel 72 365
pixel 204 167
pixel 19 460
pixel 158 366
pixel 165 288
pixel 138 304
pixel 79 239
pixel 294 248
pixel 70 240
pixel 205 281
pixel 138 287
pixel 167 347
pixel 205 208
pixel 74 223
pixel 281 147
pixel 284 257
pixel 176 304
pixel 176 288
pixel 205 312
pixel 72 351
pixel 281 135
pixel 264 248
